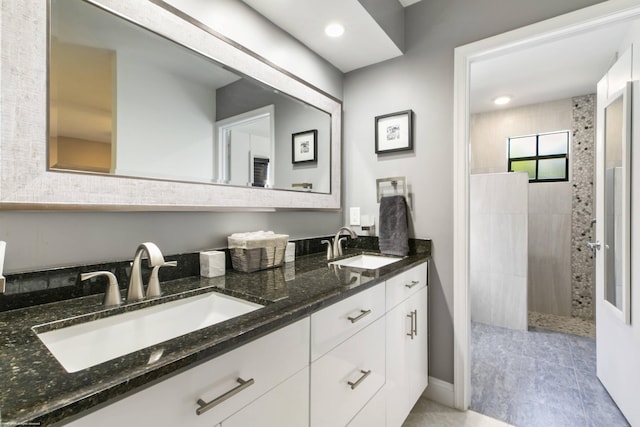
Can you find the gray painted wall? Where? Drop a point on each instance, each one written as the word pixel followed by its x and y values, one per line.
pixel 422 80
pixel 37 240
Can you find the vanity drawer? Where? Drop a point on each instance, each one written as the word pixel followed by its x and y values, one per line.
pixel 404 285
pixel 374 413
pixel 267 361
pixel 336 323
pixel 346 378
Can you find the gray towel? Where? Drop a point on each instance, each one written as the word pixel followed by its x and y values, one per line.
pixel 393 237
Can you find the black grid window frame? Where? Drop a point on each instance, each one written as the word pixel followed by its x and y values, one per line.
pixel 539 157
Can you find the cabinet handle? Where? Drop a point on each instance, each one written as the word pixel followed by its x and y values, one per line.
pixel 365 374
pixel 205 406
pixel 411 333
pixel 414 323
pixel 362 314
pixel 413 283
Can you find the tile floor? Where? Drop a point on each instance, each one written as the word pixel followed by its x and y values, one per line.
pixel 427 413
pixel 538 378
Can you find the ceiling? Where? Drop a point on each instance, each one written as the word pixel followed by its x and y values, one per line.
pixel 363 43
pixel 554 70
pixel 559 69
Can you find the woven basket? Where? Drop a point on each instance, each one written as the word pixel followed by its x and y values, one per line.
pixel 269 253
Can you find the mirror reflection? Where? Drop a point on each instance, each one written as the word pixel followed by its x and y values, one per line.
pixel 128 102
pixel 614 189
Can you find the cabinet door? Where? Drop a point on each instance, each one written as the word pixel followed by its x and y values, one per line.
pixel 346 378
pixel 287 405
pixel 373 414
pixel 418 363
pixel 407 356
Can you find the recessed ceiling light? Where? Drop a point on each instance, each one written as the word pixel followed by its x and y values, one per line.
pixel 334 29
pixel 502 100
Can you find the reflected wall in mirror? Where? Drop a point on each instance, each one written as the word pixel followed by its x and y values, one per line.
pixel 126 101
pixel 617 181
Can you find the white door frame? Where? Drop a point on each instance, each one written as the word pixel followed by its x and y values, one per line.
pixel 592 17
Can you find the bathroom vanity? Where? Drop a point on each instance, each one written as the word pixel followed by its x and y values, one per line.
pixel 333 345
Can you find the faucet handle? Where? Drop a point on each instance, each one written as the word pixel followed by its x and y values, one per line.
pixel 339 246
pixel 153 288
pixel 112 295
pixel 329 249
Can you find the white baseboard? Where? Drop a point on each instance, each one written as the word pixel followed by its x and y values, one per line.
pixel 440 392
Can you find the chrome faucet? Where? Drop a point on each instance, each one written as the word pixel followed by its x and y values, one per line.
pixel 334 247
pixel 136 290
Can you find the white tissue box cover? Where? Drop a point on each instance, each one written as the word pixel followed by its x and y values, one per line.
pixel 212 264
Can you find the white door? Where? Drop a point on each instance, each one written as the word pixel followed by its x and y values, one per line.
pixel 617 315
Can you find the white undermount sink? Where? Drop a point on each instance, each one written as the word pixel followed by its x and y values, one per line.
pixel 366 262
pixel 87 344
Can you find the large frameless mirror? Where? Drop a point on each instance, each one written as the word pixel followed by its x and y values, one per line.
pixel 126 101
pixel 617 181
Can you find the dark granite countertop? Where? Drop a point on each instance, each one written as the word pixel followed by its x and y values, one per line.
pixel 37 389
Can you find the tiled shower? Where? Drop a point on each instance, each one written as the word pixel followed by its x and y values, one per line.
pixel 559 270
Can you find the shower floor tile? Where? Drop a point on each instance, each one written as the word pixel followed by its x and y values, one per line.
pixel 568 325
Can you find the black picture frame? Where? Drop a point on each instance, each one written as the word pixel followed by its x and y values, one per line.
pixel 304 147
pixel 394 132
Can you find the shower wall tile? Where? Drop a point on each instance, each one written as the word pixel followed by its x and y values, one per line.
pixel 498 245
pixel 582 177
pixel 550 198
pixel 550 263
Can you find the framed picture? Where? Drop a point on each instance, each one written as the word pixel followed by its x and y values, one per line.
pixel 304 146
pixel 394 132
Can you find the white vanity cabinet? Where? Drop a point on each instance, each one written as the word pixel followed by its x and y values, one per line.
pixel 407 343
pixel 347 339
pixel 287 405
pixel 362 361
pixel 254 371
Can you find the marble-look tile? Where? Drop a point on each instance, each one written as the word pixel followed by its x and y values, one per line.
pixel 600 409
pixel 547 352
pixel 544 373
pixel 536 414
pixel 538 378
pixel 583 352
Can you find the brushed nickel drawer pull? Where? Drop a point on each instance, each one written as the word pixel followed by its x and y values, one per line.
pixel 413 283
pixel 412 328
pixel 415 323
pixel 365 374
pixel 205 406
pixel 362 314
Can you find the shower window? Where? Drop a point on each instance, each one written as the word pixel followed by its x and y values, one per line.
pixel 544 156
